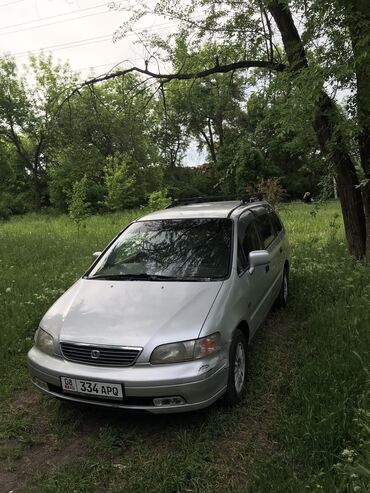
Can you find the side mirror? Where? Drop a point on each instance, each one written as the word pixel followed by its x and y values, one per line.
pixel 258 257
pixel 95 255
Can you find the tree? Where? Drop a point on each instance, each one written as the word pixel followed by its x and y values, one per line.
pixel 29 110
pixel 169 129
pixel 347 27
pixel 97 125
pixel 251 25
pixel 208 107
pixel 357 18
pixel 14 182
pixel 327 121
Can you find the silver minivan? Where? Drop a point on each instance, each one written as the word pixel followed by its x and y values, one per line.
pixel 162 319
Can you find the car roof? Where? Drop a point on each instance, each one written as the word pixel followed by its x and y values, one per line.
pixel 222 209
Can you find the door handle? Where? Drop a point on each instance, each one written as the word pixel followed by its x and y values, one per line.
pixel 267 268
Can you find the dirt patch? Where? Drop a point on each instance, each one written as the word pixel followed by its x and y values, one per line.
pixel 26 400
pixel 40 459
pixel 36 449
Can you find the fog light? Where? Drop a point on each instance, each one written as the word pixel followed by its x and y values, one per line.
pixel 169 401
pixel 40 383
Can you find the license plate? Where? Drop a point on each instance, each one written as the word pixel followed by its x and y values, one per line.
pixel 89 387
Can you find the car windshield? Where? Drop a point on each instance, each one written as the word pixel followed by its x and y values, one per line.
pixel 177 249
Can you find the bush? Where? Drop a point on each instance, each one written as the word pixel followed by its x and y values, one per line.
pixel 78 207
pixel 159 200
pixel 13 204
pixel 271 189
pixel 120 184
pixel 5 212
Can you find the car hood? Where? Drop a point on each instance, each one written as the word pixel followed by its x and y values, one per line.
pixel 131 313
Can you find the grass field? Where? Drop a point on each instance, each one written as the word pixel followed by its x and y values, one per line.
pixel 304 425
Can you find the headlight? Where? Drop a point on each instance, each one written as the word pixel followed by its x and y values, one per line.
pixel 178 352
pixel 44 341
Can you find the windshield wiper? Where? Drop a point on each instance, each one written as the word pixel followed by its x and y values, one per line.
pixel 132 277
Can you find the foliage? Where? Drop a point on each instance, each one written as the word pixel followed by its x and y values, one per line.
pixel 271 189
pixel 326 49
pixel 29 110
pixel 158 200
pixel 78 207
pixel 85 135
pixel 252 124
pixel 12 204
pixel 120 183
pixel 5 212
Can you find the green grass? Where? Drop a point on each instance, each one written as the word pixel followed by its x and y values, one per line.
pixel 302 427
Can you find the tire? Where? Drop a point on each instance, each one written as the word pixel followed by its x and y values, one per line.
pixel 282 299
pixel 237 379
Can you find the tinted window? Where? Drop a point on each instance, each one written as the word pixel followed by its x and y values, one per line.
pixel 181 249
pixel 265 229
pixel 248 240
pixel 276 223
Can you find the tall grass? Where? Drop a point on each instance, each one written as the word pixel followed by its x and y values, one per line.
pixel 331 296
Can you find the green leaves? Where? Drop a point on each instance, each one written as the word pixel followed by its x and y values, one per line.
pixel 120 182
pixel 78 207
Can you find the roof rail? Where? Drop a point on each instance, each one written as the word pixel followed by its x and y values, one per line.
pixel 251 197
pixel 244 199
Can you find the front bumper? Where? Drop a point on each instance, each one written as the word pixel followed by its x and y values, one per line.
pixel 200 383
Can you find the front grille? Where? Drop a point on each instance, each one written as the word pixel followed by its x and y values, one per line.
pixel 104 356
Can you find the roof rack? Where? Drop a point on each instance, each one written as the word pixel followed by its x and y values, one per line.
pixel 244 199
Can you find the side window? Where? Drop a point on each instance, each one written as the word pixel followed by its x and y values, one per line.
pixel 276 222
pixel 266 229
pixel 248 240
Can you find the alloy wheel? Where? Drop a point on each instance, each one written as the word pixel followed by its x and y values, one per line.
pixel 239 367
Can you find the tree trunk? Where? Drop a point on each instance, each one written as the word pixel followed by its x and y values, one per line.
pixel 329 135
pixel 358 21
pixel 209 141
pixel 36 191
pixel 332 144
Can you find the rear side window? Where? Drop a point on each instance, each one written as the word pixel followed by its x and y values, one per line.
pixel 276 222
pixel 266 229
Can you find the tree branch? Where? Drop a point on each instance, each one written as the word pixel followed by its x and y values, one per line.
pixel 218 69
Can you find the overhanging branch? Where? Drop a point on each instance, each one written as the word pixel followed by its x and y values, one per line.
pixel 217 69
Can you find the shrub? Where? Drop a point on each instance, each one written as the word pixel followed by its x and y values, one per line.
pixel 78 207
pixel 5 212
pixel 159 200
pixel 120 184
pixel 13 203
pixel 271 189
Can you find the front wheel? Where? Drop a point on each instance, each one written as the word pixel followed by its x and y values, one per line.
pixel 282 299
pixel 236 384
